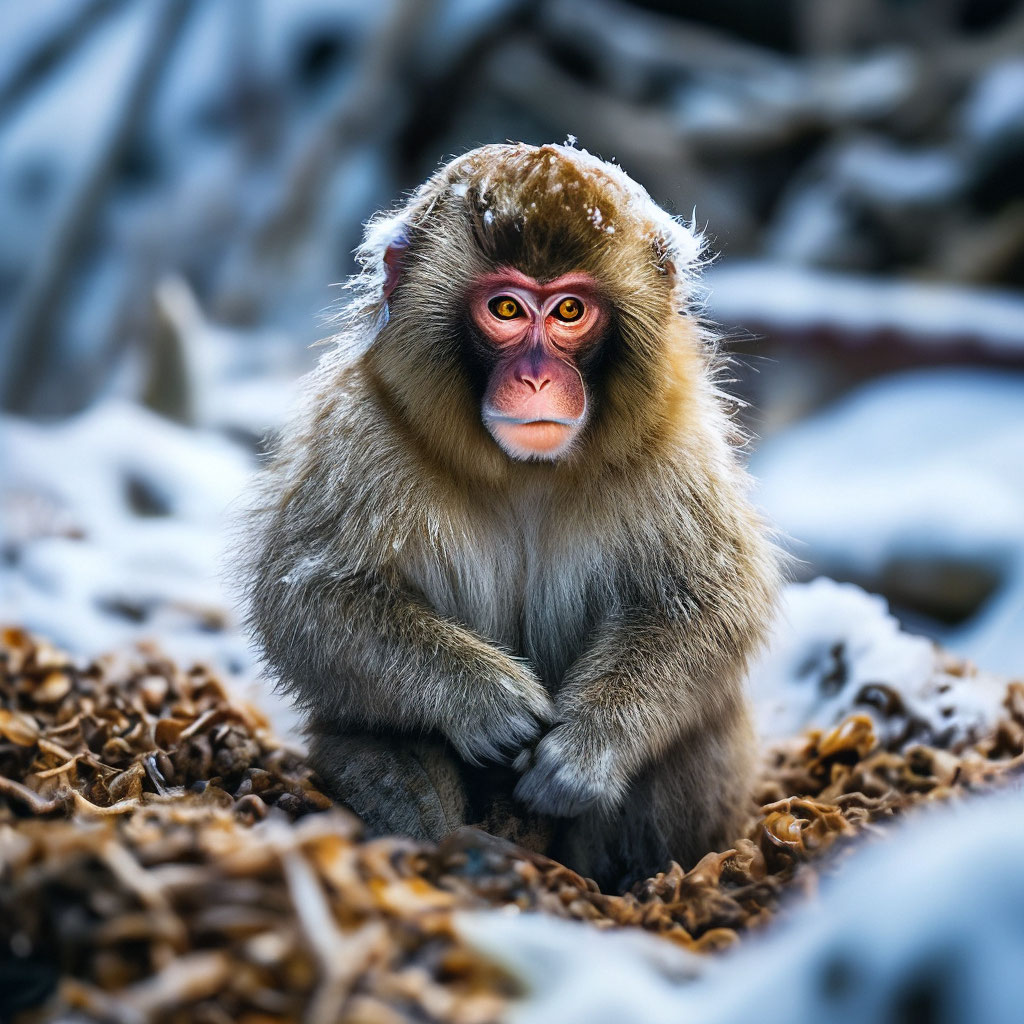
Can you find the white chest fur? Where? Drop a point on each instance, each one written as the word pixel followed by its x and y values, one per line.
pixel 519 575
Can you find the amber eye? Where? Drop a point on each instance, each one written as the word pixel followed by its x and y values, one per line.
pixel 504 307
pixel 569 310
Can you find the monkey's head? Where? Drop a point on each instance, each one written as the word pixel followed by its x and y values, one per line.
pixel 530 302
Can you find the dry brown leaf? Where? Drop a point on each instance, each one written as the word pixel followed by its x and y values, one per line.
pixel 211 880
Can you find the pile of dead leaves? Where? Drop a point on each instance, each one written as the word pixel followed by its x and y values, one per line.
pixel 164 858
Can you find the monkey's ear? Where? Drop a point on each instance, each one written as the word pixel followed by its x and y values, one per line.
pixel 663 257
pixel 393 256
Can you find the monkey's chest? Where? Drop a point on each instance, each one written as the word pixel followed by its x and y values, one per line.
pixel 521 588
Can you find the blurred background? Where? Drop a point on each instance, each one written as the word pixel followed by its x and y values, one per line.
pixel 181 183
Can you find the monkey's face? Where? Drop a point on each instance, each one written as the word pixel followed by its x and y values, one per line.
pixel 530 313
pixel 535 339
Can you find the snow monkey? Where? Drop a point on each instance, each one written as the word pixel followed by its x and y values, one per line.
pixel 504 556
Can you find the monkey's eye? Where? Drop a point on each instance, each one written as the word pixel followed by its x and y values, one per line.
pixel 569 310
pixel 504 307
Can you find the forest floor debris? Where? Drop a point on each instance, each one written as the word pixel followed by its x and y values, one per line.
pixel 164 858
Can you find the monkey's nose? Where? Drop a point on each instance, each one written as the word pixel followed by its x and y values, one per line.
pixel 535 382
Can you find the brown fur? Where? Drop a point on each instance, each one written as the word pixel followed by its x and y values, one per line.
pixel 434 603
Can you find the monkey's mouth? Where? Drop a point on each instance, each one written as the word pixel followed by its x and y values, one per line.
pixel 532 439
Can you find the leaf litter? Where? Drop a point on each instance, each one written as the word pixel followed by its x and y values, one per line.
pixel 165 858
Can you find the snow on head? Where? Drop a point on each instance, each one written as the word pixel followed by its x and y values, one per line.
pixel 682 242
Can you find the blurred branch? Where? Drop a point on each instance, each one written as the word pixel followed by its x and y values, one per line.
pixel 363 113
pixel 359 116
pixel 280 142
pixel 645 139
pixel 31 338
pixel 51 50
pixel 622 34
pixel 254 100
pixel 980 252
pixel 437 105
pixel 169 385
pixel 966 57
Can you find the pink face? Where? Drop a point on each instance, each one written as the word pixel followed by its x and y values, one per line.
pixel 536 402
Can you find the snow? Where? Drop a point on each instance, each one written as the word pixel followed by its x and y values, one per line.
pixel 241 382
pixel 118 520
pixel 23 28
pixel 995 106
pixel 810 225
pixel 891 174
pixel 574 972
pixel 733 102
pixel 921 467
pixel 85 547
pixel 705 106
pixel 867 87
pixel 684 242
pixel 931 917
pixel 800 298
pixel 835 645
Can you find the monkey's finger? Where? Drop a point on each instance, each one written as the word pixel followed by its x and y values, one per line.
pixel 558 790
pixel 477 750
pixel 524 760
pixel 547 715
pixel 498 738
pixel 540 705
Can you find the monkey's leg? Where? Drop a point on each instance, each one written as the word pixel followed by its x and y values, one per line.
pixel 398 786
pixel 615 847
pixel 694 800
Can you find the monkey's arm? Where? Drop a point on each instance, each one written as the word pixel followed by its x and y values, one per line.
pixel 645 680
pixel 358 650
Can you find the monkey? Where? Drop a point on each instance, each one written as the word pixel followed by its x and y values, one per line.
pixel 504 555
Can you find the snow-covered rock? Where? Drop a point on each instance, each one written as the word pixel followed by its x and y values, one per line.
pixel 836 650
pixel 795 298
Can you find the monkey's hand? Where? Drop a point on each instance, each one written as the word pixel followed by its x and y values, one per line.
pixel 506 713
pixel 570 771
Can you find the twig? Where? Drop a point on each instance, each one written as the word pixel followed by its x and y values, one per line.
pixel 342 958
pixel 30 799
pixel 51 49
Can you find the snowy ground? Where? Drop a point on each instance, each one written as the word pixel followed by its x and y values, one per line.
pixel 925 927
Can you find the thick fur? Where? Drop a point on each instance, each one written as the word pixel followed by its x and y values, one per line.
pixel 437 606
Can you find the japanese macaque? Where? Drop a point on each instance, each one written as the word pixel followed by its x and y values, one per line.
pixel 504 556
